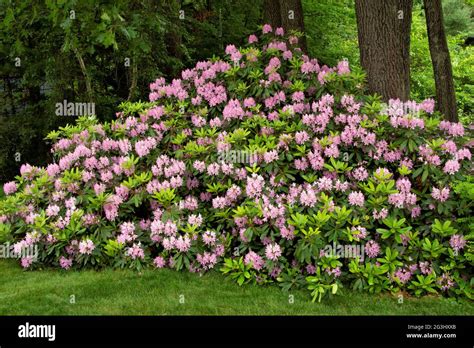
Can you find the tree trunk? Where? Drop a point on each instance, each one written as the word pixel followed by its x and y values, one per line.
pixel 443 74
pixel 272 13
pixel 292 18
pixel 87 79
pixel 174 39
pixel 287 14
pixel 134 78
pixel 384 44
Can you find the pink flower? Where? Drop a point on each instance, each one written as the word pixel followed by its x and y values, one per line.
pixel 356 198
pixel 279 32
pixel 213 169
pixel 233 110
pixel 380 215
pixel 65 263
pixel 27 170
pixel 403 275
pixel 9 188
pixel 26 261
pixel 372 249
pixel 143 147
pixel 53 169
pixel 127 230
pixel 252 39
pixel 440 194
pixel 359 232
pixel 293 40
pixel 209 238
pixel 341 186
pixel 308 197
pixel 230 49
pixel 404 185
pixel 415 211
pixel 301 137
pixel 254 185
pixel 287 55
pixel 343 67
pixel 445 281
pixel 207 260
pixel 219 202
pixel 397 199
pixel 324 184
pixel 301 164
pixel 311 269
pixel 233 193
pixel 360 173
pixel 86 247
pixel 136 252
pixel 270 156
pixel 309 67
pixel 451 167
pixel 170 228
pixel 99 188
pixel 425 267
pixel 454 129
pixel 254 259
pixel 450 147
pixel 457 242
pixel 267 28
pixel 200 166
pixel 52 210
pixel 272 251
pixel 159 262
pixel 249 102
pixel 428 105
pixel 215 122
pixel 335 271
pixel 183 244
pixel 195 220
pixel 462 154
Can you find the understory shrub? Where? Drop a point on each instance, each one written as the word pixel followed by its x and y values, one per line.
pixel 266 166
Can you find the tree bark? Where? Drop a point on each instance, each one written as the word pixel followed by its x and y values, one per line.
pixel 134 78
pixel 87 79
pixel 272 13
pixel 384 43
pixel 287 14
pixel 292 18
pixel 443 73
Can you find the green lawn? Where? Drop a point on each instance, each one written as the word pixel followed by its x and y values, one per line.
pixel 157 292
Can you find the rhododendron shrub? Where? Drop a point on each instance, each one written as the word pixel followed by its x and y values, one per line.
pixel 333 188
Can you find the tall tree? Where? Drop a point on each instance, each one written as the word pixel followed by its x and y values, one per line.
pixel 384 44
pixel 287 14
pixel 443 73
pixel 272 13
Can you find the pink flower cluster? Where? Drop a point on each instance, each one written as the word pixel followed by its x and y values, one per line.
pixel 86 247
pixel 10 187
pixel 440 195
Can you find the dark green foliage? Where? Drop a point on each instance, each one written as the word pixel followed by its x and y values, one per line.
pixel 123 45
pixel 331 30
pixel 458 17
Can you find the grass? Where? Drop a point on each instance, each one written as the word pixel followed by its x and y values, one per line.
pixel 157 292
